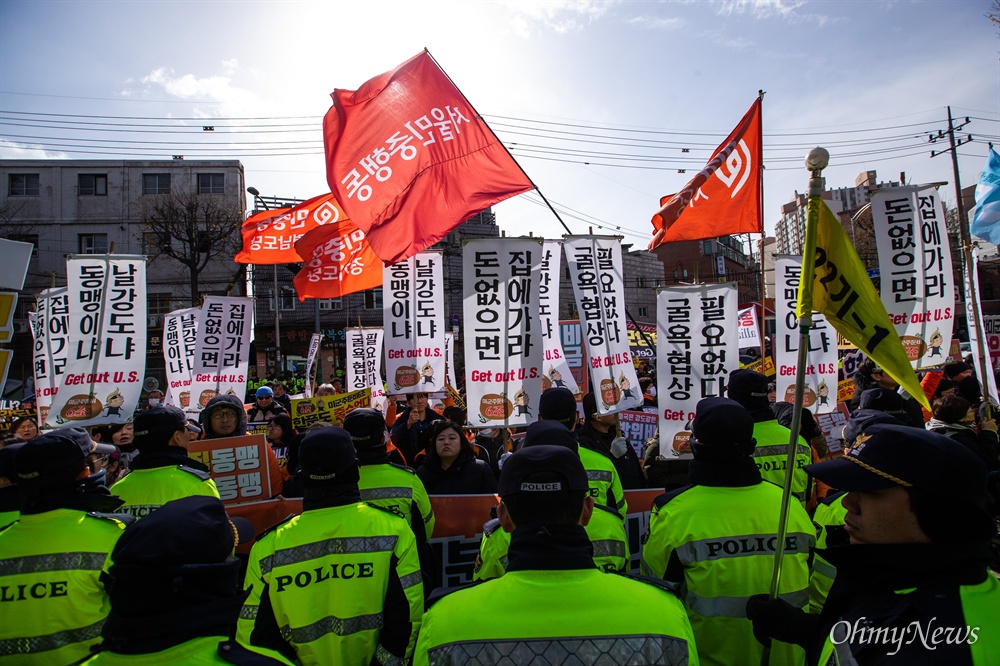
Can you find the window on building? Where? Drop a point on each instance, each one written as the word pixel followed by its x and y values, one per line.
pixel 640 281
pixel 211 183
pixel 643 312
pixel 23 185
pixel 159 303
pixel 92 184
pixel 286 299
pixel 706 247
pixel 93 243
pixel 156 183
pixel 684 273
pixel 373 299
pixel 676 275
pixel 331 304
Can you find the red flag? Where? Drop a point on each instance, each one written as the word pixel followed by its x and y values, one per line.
pixel 269 236
pixel 339 261
pixel 724 198
pixel 409 159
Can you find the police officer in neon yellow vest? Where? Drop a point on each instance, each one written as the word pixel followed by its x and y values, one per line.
pixel 52 590
pixel 341 583
pixel 716 539
pixel 913 585
pixel 175 590
pixel 553 600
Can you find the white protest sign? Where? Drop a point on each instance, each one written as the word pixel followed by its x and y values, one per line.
pixel 50 330
pixel 556 371
pixel 749 330
pixel 413 312
pixel 221 355
pixel 180 337
pixel 314 344
pixel 364 363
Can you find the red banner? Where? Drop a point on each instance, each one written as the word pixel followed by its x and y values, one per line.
pixel 269 236
pixel 409 159
pixel 338 262
pixel 725 197
pixel 240 467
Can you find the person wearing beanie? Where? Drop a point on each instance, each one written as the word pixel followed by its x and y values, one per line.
pixel 223 416
pixel 716 538
pixel 750 389
pixel 175 590
pixel 559 405
pixel 340 583
pixel 601 434
pixel 265 407
pixel 53 599
pixel 606 530
pixel 162 471
pixel 919 530
pixel 553 605
pixel 956 372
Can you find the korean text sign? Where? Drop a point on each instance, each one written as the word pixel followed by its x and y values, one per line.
pixel 556 369
pixel 413 312
pixel 239 466
pixel 330 408
pixel 222 352
pixel 50 351
pixel 364 363
pixel 180 336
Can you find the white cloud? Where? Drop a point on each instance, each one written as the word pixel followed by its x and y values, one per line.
pixel 765 9
pixel 657 23
pixel 211 96
pixel 560 16
pixel 11 150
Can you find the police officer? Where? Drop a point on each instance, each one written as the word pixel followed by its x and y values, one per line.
pixel 162 471
pixel 341 583
pixel 175 590
pixel 52 595
pixel 716 538
pixel 749 388
pixel 606 529
pixel 553 600
pixel 559 404
pixel 912 585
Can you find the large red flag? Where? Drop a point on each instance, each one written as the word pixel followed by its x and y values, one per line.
pixel 339 261
pixel 409 159
pixel 269 236
pixel 724 198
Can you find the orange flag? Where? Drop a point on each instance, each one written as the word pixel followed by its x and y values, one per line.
pixel 410 159
pixel 269 236
pixel 725 197
pixel 339 261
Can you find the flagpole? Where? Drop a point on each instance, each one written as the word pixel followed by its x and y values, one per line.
pixel 816 161
pixel 487 126
pixel 760 225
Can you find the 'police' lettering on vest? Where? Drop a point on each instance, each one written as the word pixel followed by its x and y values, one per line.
pixel 746 545
pixel 334 571
pixel 35 591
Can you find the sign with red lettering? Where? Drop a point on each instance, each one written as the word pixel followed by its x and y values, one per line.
pixel 180 337
pixel 556 371
pixel 413 312
pixel 240 467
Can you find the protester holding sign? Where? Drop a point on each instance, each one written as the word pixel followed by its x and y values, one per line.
pixel 599 433
pixel 451 467
pixel 265 407
pixel 408 431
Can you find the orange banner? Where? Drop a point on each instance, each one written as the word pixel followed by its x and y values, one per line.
pixel 240 467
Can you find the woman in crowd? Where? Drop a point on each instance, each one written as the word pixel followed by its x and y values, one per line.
pixel 955 418
pixel 24 427
pixel 279 435
pixel 451 467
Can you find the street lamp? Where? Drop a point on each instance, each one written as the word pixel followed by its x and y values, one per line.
pixel 255 193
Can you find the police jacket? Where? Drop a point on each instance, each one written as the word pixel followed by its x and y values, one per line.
pixel 160 476
pixel 716 541
pixel 602 477
pixel 628 466
pixel 606 532
pixel 828 518
pixel 11 499
pixel 924 603
pixel 339 584
pixel 53 600
pixel 553 600
pixel 397 489
pixel 467 475
pixel 771 455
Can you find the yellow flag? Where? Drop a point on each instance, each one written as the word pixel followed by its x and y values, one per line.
pixel 843 292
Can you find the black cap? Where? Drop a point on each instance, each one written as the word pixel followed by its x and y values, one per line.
pixel 589 406
pixel 191 530
pixel 884 456
pixel 542 469
pixel 748 388
pixel 366 427
pixel 557 404
pixel 551 433
pixel 954 369
pixel 885 400
pixel 327 457
pixel 153 428
pixel 56 458
pixel 721 427
pixel 862 419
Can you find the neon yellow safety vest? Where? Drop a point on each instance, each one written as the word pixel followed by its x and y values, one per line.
pixel 145 490
pixel 829 512
pixel 605 485
pixel 206 651
pixel 771 456
pixel 606 531
pixel 398 489
pixel 327 574
pixel 606 618
pixel 52 601
pixel 718 544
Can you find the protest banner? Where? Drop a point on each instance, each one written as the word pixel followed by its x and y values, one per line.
pixel 981 365
pixel 575 352
pixel 364 364
pixel 222 351
pixel 269 237
pixel 329 408
pixel 639 340
pixel 764 366
pixel 106 341
pixel 314 344
pixel 637 427
pixel 50 350
pixel 845 390
pixel 749 329
pixel 338 262
pixel 239 466
pixel 8 301
pixel 991 329
pixel 503 351
pixel 595 269
pixel 697 346
pixel 821 361
pixel 180 337
pixel 413 315
pixel 832 424
pixel 449 359
pixel 914 259
pixel 556 370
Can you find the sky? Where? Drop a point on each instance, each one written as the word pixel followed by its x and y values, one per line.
pixel 602 103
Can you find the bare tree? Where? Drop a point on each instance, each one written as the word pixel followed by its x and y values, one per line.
pixel 994 13
pixel 11 227
pixel 192 230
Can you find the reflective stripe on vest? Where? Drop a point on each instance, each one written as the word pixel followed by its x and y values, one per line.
pixel 735 606
pixel 55 562
pixel 48 642
pixel 332 625
pixel 599 475
pixel 386 493
pixel 718 548
pixel 631 649
pixel 311 551
pixel 387 658
pixel 607 548
pixel 409 580
pixel 780 450
pixel 249 612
